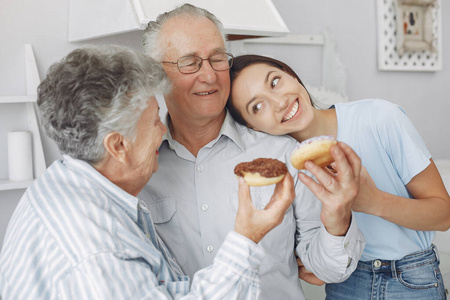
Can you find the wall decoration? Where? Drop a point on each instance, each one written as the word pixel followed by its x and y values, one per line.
pixel 409 35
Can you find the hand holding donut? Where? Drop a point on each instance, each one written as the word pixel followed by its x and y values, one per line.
pixel 254 223
pixel 336 192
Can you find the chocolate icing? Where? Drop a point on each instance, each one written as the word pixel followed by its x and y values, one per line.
pixel 266 167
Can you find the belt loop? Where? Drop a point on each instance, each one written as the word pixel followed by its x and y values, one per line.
pixel 393 269
pixel 436 252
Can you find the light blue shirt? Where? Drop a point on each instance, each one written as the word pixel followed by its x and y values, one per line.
pixel 75 235
pixel 194 200
pixel 393 153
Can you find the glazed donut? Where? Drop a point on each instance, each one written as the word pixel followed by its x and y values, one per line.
pixel 261 171
pixel 316 149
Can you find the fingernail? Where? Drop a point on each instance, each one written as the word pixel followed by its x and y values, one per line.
pixel 241 180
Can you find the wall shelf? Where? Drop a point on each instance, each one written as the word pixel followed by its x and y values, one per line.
pixel 14 185
pixel 28 101
pixel 17 99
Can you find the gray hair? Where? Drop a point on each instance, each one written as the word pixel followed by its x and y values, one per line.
pixel 94 91
pixel 151 39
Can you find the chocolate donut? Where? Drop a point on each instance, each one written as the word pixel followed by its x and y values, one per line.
pixel 261 171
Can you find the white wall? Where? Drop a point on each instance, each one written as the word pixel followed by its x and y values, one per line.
pixel 424 95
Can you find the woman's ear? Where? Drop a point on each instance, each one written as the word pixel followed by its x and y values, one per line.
pixel 118 147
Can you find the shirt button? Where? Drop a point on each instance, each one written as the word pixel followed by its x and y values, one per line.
pixel 210 248
pixel 205 207
pixel 200 168
pixel 377 263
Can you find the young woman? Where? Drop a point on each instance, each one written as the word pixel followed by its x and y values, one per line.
pixel 402 198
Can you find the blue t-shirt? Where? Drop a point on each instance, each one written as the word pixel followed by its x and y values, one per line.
pixel 393 152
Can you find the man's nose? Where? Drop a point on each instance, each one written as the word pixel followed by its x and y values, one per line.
pixel 207 73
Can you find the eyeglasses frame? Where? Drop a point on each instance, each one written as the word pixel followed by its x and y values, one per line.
pixel 230 62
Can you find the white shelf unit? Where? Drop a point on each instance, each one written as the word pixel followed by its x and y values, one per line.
pixel 28 101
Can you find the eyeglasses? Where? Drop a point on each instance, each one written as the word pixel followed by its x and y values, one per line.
pixel 192 64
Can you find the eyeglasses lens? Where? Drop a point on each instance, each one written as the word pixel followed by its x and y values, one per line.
pixel 191 64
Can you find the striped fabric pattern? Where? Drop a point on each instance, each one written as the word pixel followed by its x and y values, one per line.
pixel 75 235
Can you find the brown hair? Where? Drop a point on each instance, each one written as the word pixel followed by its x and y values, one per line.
pixel 244 61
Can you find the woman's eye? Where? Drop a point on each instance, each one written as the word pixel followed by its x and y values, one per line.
pixel 275 82
pixel 256 108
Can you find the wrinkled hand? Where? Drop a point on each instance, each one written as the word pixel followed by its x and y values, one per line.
pixel 254 223
pixel 306 275
pixel 336 192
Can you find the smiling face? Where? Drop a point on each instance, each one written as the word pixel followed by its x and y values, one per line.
pixel 271 100
pixel 201 95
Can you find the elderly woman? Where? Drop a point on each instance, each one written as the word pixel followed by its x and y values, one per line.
pixel 80 232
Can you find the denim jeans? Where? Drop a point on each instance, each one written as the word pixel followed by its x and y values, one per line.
pixel 415 276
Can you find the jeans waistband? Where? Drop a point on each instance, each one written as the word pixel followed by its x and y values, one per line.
pixel 408 261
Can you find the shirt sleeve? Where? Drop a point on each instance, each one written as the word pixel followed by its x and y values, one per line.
pixel 234 274
pixel 400 139
pixel 331 258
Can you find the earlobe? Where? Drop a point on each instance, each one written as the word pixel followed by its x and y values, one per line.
pixel 117 146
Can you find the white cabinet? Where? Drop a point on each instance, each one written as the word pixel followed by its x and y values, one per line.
pixel 96 18
pixel 24 106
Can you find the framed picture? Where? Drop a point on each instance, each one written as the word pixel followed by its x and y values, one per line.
pixel 409 35
pixel 415 25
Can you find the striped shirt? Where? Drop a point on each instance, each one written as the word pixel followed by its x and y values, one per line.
pixel 76 235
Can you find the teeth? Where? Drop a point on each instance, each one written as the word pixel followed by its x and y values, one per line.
pixel 202 94
pixel 292 112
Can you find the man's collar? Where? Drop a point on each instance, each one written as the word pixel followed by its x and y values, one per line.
pixel 229 128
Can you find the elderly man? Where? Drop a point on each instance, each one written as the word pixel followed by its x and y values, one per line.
pixel 193 197
pixel 80 231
